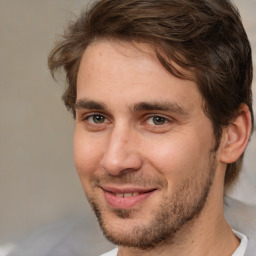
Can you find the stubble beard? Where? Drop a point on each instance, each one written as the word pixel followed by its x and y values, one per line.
pixel 173 216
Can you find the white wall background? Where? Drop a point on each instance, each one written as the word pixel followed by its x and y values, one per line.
pixel 38 182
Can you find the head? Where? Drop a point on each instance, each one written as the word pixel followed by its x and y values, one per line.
pixel 203 37
pixel 202 46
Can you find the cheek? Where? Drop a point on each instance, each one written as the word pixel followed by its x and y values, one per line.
pixel 87 154
pixel 179 157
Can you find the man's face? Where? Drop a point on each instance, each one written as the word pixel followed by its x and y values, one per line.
pixel 142 144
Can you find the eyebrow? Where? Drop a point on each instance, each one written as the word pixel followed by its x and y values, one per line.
pixel 89 104
pixel 173 107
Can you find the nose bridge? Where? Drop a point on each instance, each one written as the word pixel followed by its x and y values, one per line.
pixel 121 152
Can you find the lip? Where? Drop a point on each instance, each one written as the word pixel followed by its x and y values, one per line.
pixel 126 202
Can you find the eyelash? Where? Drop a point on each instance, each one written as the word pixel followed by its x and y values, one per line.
pixel 86 118
pixel 147 118
pixel 157 116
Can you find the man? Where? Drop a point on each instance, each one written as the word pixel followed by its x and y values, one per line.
pixel 161 95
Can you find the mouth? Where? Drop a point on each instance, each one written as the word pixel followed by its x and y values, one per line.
pixel 125 198
pixel 126 194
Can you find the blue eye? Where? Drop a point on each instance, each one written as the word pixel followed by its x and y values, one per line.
pixel 157 120
pixel 97 119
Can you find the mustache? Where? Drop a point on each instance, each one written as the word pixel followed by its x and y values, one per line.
pixel 136 179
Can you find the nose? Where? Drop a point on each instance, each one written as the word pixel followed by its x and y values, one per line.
pixel 121 153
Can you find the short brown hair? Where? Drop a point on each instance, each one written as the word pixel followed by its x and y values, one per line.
pixel 205 37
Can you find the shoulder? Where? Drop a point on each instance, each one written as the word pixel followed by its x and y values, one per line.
pixel 111 253
pixel 69 237
pixel 242 217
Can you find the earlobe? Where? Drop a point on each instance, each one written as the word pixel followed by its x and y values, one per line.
pixel 236 136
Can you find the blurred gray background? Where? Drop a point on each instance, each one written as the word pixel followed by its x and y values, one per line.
pixel 38 181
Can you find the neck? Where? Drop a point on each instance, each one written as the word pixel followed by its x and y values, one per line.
pixel 207 235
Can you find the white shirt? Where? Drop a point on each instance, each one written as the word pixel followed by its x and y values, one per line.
pixel 111 253
pixel 240 251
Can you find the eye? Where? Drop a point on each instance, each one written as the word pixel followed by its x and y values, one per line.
pixel 96 119
pixel 157 120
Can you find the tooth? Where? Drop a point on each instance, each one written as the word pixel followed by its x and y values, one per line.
pixel 127 194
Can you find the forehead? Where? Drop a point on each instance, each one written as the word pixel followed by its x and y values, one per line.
pixel 130 69
pixel 110 57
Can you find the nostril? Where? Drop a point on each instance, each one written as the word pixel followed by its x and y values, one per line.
pixel 121 163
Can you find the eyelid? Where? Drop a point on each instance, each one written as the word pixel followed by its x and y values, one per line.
pixel 88 114
pixel 148 116
pixel 85 118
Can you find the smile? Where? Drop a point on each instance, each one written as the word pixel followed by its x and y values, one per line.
pixel 120 199
pixel 127 194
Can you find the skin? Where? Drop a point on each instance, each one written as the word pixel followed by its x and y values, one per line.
pixel 162 148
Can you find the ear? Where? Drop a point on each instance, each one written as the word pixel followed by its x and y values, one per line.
pixel 236 136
